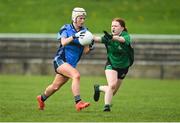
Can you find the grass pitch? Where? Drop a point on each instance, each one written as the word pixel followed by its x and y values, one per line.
pixel 137 100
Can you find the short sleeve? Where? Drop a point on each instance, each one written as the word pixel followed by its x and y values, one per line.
pixel 127 39
pixel 62 32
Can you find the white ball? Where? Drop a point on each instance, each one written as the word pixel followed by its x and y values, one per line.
pixel 86 39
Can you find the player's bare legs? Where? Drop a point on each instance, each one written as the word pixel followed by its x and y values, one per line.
pixel 111 76
pixel 118 84
pixel 72 73
pixel 110 89
pixel 59 80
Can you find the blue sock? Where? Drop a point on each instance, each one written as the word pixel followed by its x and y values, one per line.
pixel 43 97
pixel 77 98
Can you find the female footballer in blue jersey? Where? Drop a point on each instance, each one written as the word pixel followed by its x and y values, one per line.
pixel 66 59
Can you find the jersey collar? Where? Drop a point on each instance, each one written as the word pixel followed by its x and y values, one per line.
pixel 72 26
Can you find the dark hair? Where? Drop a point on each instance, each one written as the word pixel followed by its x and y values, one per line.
pixel 121 22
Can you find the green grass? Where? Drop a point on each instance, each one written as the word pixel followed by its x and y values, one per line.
pixel 137 100
pixel 44 16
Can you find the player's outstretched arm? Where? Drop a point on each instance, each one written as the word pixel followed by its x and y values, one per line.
pixel 119 38
pixel 96 38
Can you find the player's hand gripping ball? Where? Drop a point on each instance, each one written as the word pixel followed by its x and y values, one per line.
pixel 85 38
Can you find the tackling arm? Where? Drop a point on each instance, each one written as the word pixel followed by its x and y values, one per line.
pixel 97 38
pixel 119 38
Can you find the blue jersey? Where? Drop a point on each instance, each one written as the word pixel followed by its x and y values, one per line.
pixel 72 52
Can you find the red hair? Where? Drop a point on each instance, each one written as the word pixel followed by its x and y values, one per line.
pixel 121 22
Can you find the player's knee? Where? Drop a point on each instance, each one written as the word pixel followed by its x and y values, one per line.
pixel 76 76
pixel 112 86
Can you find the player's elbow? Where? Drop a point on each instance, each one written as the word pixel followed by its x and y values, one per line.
pixel 63 43
pixel 121 39
pixel 113 86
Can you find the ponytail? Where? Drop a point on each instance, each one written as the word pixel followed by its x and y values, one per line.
pixel 125 29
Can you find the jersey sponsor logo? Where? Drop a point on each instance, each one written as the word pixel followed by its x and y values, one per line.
pixel 109 67
pixel 119 47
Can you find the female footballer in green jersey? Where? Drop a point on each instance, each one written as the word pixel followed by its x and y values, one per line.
pixel 118 60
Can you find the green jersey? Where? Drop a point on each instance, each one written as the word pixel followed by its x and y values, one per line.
pixel 118 52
